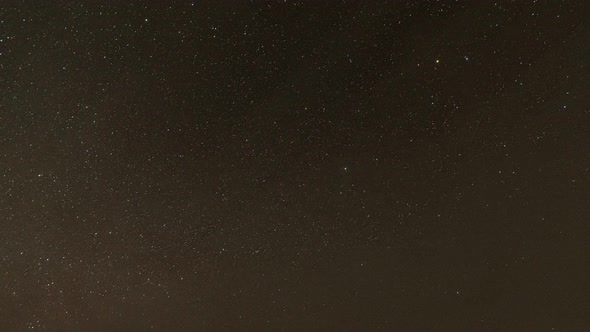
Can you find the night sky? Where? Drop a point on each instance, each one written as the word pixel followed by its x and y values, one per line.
pixel 294 165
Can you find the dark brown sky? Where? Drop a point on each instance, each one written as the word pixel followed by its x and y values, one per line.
pixel 296 165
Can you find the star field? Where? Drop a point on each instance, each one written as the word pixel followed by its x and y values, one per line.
pixel 294 165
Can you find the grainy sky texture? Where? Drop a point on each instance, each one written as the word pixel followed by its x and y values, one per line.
pixel 294 165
